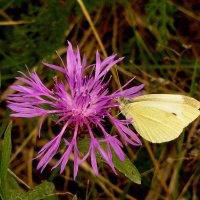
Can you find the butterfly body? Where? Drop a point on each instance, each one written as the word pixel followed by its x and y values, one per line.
pixel 160 117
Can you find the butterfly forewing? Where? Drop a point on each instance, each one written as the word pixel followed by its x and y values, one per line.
pixel 161 117
pixel 173 98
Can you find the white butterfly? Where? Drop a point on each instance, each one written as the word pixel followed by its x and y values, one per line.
pixel 160 117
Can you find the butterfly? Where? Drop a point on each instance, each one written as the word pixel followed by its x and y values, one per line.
pixel 160 117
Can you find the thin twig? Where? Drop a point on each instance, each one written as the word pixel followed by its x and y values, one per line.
pixel 18 179
pixel 185 11
pixel 115 29
pixel 35 130
pixel 9 23
pixel 186 186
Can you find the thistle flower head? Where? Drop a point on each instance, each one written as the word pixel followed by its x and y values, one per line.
pixel 81 100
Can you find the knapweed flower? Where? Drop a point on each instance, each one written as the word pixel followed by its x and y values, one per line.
pixel 82 100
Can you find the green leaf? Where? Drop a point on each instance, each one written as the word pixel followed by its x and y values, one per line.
pixel 74 197
pixel 44 190
pixel 4 163
pixel 126 167
pixel 14 188
pixel 54 173
pixel 13 184
pixel 4 123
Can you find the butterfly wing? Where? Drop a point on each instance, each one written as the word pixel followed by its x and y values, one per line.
pixel 167 98
pixel 160 118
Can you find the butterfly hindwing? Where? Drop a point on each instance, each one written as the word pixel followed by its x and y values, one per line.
pixel 154 124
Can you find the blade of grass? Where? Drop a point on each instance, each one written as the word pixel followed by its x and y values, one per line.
pixel 4 123
pixel 4 163
pixel 193 84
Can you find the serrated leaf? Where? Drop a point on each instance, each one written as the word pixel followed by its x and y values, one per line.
pixel 4 163
pixel 126 167
pixel 41 191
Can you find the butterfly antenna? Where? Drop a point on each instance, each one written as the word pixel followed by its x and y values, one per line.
pixel 118 77
pixel 60 59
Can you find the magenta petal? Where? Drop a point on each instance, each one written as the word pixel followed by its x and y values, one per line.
pixel 65 158
pixel 55 67
pixel 129 93
pixel 40 126
pixel 93 161
pixel 86 156
pixel 98 64
pixel 116 145
pixel 76 163
pixel 105 71
pixel 124 131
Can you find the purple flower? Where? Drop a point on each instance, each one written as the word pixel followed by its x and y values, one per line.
pixel 82 100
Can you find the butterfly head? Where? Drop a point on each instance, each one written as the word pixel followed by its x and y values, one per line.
pixel 123 104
